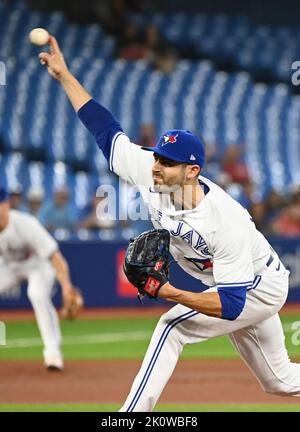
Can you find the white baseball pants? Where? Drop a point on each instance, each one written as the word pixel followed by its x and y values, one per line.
pixel 40 276
pixel 257 335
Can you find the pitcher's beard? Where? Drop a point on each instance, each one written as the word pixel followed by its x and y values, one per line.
pixel 165 189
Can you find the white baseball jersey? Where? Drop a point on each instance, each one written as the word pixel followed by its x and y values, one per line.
pixel 25 247
pixel 24 238
pixel 215 242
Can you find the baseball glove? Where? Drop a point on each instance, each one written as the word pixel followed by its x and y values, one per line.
pixel 146 262
pixel 72 305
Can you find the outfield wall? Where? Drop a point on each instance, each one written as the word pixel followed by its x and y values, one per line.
pixel 97 269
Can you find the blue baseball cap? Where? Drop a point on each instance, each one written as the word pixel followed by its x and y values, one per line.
pixel 180 145
pixel 4 195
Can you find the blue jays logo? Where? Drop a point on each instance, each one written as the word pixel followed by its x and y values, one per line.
pixel 169 139
pixel 201 264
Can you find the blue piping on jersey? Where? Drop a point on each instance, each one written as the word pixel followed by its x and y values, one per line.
pixel 111 158
pixel 227 284
pixel 155 355
pixel 206 188
pixel 256 281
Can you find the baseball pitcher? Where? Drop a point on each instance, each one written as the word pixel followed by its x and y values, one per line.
pixel 213 239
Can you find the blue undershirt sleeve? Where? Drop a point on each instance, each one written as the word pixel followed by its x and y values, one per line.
pixel 101 123
pixel 233 301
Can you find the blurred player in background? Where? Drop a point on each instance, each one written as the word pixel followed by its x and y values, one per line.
pixel 28 252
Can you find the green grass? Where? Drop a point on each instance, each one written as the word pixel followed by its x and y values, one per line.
pixel 114 339
pixel 123 339
pixel 160 408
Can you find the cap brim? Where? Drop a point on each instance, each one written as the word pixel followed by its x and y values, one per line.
pixel 163 153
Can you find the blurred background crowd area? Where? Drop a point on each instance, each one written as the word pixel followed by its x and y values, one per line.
pixel 221 69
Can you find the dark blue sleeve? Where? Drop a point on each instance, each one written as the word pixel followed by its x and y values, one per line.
pixel 233 301
pixel 101 123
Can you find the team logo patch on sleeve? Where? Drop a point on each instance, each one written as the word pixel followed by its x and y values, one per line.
pixel 201 264
pixel 169 139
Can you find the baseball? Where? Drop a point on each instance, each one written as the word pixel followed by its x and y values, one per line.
pixel 39 36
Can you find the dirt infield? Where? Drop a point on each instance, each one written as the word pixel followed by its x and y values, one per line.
pixel 194 381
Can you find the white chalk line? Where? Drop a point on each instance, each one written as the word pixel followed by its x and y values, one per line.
pixel 96 338
pixel 81 340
